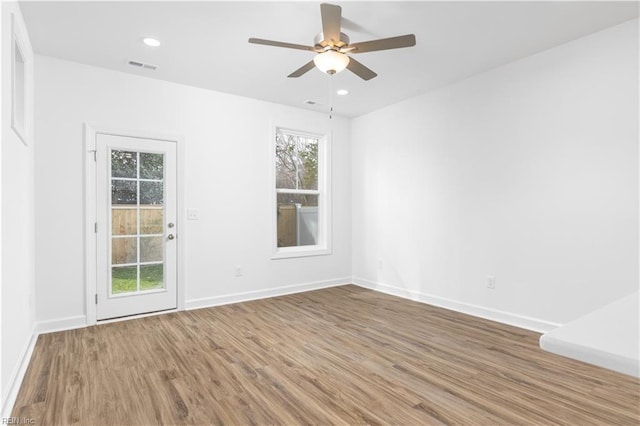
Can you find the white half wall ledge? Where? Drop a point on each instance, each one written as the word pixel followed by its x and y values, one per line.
pixel 509 318
pixel 265 293
pixel 608 337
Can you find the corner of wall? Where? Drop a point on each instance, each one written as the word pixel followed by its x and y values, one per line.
pixel 17 310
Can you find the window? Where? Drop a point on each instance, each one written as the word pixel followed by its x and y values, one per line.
pixel 18 86
pixel 301 199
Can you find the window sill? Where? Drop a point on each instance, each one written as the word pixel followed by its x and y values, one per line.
pixel 292 252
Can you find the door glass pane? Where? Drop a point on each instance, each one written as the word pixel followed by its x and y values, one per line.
pixel 137 221
pixel 124 164
pixel 124 250
pixel 151 277
pixel 297 220
pixel 151 193
pixel 151 220
pixel 124 279
pixel 124 221
pixel 151 166
pixel 151 249
pixel 124 192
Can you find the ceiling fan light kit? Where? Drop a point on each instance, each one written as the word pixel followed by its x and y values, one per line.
pixel 332 46
pixel 331 62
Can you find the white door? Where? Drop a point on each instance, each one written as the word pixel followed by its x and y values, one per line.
pixel 136 226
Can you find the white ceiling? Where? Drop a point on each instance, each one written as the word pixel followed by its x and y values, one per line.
pixel 205 44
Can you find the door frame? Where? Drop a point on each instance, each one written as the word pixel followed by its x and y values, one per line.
pixel 90 211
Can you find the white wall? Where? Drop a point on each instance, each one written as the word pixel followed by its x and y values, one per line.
pixel 227 180
pixel 528 172
pixel 17 214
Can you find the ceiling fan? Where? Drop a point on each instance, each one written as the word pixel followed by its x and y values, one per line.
pixel 332 46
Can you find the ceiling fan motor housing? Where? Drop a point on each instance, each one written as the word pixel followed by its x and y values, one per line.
pixel 322 44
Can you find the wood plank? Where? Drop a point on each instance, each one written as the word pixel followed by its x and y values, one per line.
pixel 344 355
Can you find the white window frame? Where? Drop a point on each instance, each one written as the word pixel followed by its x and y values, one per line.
pixel 323 246
pixel 19 90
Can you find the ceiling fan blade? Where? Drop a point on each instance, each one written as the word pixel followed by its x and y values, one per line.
pixel 383 44
pixel 303 69
pixel 280 44
pixel 331 21
pixel 360 70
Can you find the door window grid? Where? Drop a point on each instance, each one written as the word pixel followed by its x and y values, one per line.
pixel 124 268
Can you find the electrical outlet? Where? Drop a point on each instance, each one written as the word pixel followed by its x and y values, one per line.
pixel 237 270
pixel 491 282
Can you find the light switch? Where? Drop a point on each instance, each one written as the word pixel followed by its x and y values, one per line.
pixel 192 214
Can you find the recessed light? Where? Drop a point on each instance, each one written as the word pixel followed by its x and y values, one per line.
pixel 342 92
pixel 151 42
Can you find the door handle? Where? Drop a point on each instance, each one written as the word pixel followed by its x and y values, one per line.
pixel 170 237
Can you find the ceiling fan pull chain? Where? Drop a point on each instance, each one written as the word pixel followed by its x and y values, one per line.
pixel 331 96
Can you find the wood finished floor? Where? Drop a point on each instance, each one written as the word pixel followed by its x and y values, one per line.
pixel 343 355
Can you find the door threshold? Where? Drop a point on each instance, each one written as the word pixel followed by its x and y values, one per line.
pixel 136 316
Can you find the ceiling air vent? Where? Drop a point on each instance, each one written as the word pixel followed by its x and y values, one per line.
pixel 138 64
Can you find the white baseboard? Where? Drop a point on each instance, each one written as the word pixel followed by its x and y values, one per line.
pixel 69 323
pixel 9 399
pixel 80 321
pixel 262 294
pixel 509 318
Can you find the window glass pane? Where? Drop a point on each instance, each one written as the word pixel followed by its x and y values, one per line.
pixel 296 161
pixel 151 193
pixel 124 250
pixel 19 100
pixel 124 221
pixel 151 249
pixel 124 279
pixel 124 192
pixel 151 277
pixel 151 221
pixel 297 220
pixel 151 166
pixel 124 164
